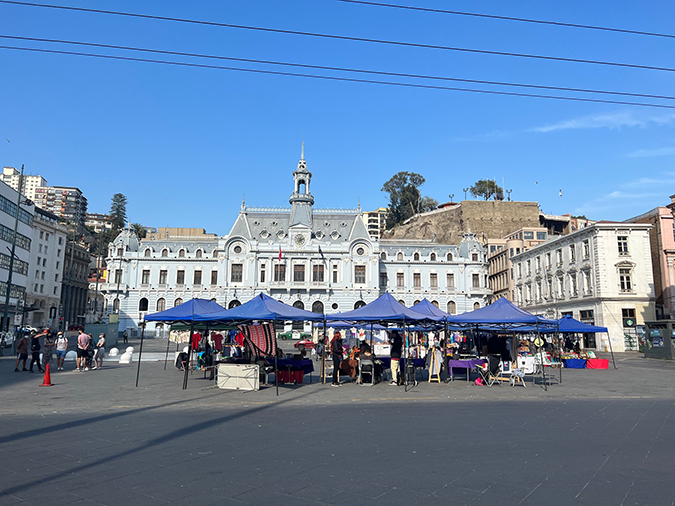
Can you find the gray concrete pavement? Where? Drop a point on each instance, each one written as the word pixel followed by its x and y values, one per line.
pixel 600 437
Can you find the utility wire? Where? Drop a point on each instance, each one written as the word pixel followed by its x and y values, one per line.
pixel 345 37
pixel 340 69
pixel 511 18
pixel 341 79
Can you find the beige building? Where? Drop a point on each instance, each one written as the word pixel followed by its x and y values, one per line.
pixel 376 221
pixel 11 177
pixel 500 252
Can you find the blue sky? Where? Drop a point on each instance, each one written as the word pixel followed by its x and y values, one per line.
pixel 184 144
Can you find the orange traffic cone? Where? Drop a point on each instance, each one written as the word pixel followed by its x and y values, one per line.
pixel 47 382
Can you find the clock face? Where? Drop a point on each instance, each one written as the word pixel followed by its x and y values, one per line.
pixel 299 240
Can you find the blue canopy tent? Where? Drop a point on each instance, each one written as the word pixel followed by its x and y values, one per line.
pixel 505 315
pixel 262 307
pixel 386 309
pixel 569 325
pixel 184 312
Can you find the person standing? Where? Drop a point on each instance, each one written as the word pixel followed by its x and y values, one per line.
pixel 35 352
pixel 47 349
pixel 82 349
pixel 396 350
pixel 336 350
pixel 22 350
pixel 125 336
pixel 61 349
pixel 100 352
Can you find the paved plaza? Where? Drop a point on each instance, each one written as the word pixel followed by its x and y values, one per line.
pixel 600 437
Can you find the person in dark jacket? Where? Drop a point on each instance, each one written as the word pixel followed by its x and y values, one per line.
pixel 336 350
pixel 35 353
pixel 396 349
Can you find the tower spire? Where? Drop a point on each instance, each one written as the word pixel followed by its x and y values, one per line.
pixel 302 151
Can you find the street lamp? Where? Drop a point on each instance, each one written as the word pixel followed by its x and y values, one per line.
pixel 452 196
pixel 11 260
pixel 508 193
pixel 465 190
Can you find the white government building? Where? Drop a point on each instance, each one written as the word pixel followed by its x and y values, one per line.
pixel 601 274
pixel 323 260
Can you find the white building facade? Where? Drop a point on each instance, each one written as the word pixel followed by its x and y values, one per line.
pixel 601 274
pixel 11 177
pixel 322 260
pixel 45 276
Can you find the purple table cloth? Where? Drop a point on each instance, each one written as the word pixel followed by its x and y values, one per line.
pixel 464 364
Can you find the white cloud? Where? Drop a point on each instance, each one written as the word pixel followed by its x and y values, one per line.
pixel 645 153
pixel 627 119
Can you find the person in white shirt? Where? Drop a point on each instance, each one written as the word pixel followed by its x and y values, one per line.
pixel 100 352
pixel 61 349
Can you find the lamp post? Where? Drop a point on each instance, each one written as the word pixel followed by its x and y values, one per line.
pixel 98 273
pixel 5 315
pixel 465 190
pixel 452 196
pixel 508 193
pixel 66 308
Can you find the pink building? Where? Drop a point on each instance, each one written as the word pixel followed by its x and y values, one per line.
pixel 662 242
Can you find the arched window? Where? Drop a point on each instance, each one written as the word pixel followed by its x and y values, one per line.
pixel 299 304
pixel 198 253
pixel 161 304
pixel 317 307
pixel 416 257
pixel 177 302
pixel 432 257
pixel 383 256
pixel 233 303
pixel 181 253
pixel 449 257
pixel 148 252
pixel 416 302
pixel 358 304
pixel 399 257
pixel 402 302
pixel 165 252
pixel 116 305
pixel 214 300
pixel 298 325
pixel 452 307
pixel 435 303
pixel 143 304
pixel 476 305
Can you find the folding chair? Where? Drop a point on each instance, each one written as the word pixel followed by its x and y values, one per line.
pixel 367 368
pixel 489 372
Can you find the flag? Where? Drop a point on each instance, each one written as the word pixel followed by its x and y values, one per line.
pixel 321 253
pixel 280 253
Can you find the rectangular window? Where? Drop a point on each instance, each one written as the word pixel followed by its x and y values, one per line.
pixel 558 256
pixel 586 248
pixel 237 273
pixel 360 274
pixel 417 280
pixel 628 316
pixel 475 280
pixel 42 235
pixel 573 253
pixel 400 280
pixel 474 257
pixel 180 277
pixel 317 273
pixel 586 314
pixel 625 281
pixel 538 263
pixel 214 277
pixel 42 275
pixel 145 277
pixel 58 252
pixel 298 273
pixel 335 274
pixel 118 275
pixel 622 244
pixel 383 279
pixel 548 260
pixel 197 278
pixel 573 284
pixel 528 267
pixel 46 249
pixel 450 280
pixel 587 281
pixel 120 252
pixel 541 236
pixel 56 277
pixel 279 273
pixel 39 248
pixel 433 280
pixel 528 235
pixel 162 277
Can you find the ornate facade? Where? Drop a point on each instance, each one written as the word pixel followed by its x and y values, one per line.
pixel 323 260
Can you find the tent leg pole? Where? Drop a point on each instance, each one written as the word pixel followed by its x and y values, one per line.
pixel 168 341
pixel 559 353
pixel 541 358
pixel 189 357
pixel 323 353
pixel 609 340
pixel 140 353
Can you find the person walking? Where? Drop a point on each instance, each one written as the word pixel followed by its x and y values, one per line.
pixel 396 349
pixel 61 349
pixel 22 351
pixel 336 350
pixel 35 352
pixel 125 336
pixel 100 352
pixel 82 349
pixel 47 349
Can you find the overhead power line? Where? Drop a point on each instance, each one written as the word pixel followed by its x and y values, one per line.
pixel 340 79
pixel 511 18
pixel 345 37
pixel 340 69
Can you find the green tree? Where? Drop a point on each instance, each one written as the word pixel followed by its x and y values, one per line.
pixel 428 204
pixel 139 230
pixel 486 188
pixel 118 211
pixel 404 196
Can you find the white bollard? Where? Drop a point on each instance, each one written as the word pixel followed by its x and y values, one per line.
pixel 114 352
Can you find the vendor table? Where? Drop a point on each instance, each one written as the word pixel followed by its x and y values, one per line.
pixel 291 366
pixel 386 363
pixel 574 363
pixel 597 363
pixel 464 364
